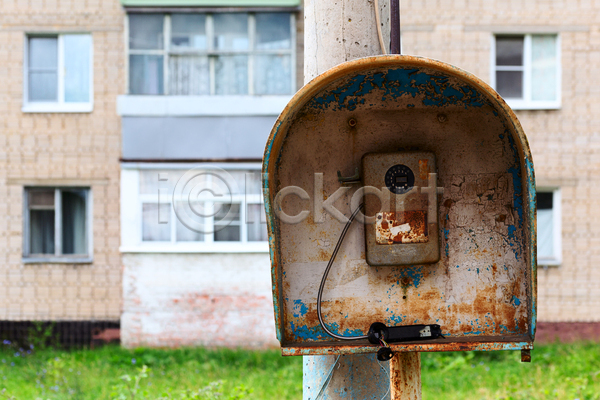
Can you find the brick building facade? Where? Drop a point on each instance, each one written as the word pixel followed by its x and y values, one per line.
pixel 60 143
pixel 564 138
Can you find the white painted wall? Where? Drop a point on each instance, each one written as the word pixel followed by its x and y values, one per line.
pixel 197 299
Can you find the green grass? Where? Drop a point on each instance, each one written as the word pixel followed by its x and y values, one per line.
pixel 557 372
pixel 98 374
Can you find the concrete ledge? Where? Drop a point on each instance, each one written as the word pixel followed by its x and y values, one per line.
pixel 191 106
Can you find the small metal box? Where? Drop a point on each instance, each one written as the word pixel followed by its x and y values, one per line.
pixel 404 231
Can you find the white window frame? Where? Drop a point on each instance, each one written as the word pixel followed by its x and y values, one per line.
pixel 526 103
pixel 59 106
pixel 166 52
pixel 556 258
pixel 131 213
pixel 58 257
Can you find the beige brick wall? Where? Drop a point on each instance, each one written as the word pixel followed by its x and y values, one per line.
pixel 86 147
pixel 565 143
pixel 62 148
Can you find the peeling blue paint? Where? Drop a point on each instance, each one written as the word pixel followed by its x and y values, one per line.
pixel 414 273
pixel 516 301
pixel 473 333
pixel 309 333
pixel 436 90
pixel 299 309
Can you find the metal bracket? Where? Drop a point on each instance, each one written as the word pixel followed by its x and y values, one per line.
pixel 348 180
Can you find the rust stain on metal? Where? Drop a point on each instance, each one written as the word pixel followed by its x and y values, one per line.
pixel 424 169
pixel 401 227
pixel 405 376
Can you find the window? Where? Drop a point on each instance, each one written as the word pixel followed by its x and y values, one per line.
pixel 549 231
pixel 57 225
pixel 211 54
pixel 193 209
pixel 58 73
pixel 527 70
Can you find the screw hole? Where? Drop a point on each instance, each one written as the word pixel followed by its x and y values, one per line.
pixel 352 122
pixel 442 117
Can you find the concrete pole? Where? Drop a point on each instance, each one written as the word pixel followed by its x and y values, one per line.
pixel 336 31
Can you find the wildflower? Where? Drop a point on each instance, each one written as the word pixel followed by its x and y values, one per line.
pixel 133 361
pixel 6 341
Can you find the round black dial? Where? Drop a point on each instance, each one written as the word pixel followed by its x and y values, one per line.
pixel 399 179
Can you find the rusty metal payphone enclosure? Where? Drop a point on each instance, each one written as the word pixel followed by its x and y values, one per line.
pixel 482 290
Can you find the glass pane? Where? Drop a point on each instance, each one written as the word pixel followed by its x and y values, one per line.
pixel 509 50
pixel 77 67
pixel 544 67
pixel 510 84
pixel 189 75
pixel 253 182
pixel 231 75
pixel 185 234
pixel 545 232
pixel 41 231
pixel 43 53
pixel 153 179
pixel 231 32
pixel 73 222
pixel 43 69
pixel 239 181
pixel 257 228
pixel 152 228
pixel 273 31
pixel 41 198
pixel 188 31
pixel 545 225
pixel 43 86
pixel 227 222
pixel 146 31
pixel 145 74
pixel 273 74
pixel 545 200
pixel 230 233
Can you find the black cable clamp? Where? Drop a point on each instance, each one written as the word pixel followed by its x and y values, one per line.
pixel 379 333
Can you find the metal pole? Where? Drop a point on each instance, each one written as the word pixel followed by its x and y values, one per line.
pixel 395 44
pixel 336 32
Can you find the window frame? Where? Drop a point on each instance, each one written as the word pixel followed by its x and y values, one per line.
pixel 556 258
pixel 59 106
pixel 58 257
pixel 211 53
pixel 526 103
pixel 131 213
